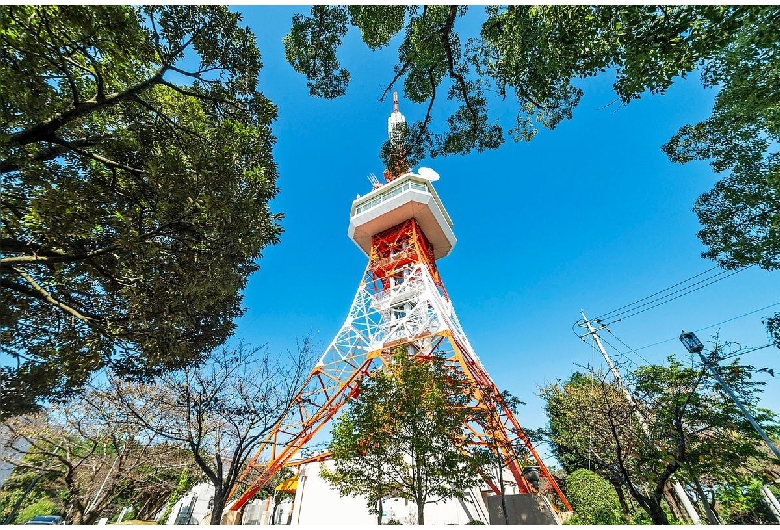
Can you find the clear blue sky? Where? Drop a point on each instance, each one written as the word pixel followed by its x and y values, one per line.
pixel 590 216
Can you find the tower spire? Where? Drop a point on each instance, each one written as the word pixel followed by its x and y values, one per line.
pixel 397 165
pixel 394 123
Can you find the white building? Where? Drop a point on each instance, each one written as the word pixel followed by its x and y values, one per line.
pixel 317 503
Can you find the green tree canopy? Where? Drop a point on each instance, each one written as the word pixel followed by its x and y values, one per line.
pixel 532 57
pixel 690 427
pixel 403 436
pixel 135 175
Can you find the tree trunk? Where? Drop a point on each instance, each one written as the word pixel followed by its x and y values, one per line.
pixel 218 507
pixel 656 512
pixel 420 509
pixel 380 491
pixel 622 500
pixel 501 485
pixel 672 501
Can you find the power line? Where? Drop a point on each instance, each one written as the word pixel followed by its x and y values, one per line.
pixel 710 326
pixel 743 351
pixel 625 358
pixel 609 313
pixel 633 309
pixel 715 278
pixel 632 350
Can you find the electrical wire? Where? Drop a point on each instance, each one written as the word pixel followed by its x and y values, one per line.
pixel 609 313
pixel 709 327
pixel 633 309
pixel 632 350
pixel 743 351
pixel 633 306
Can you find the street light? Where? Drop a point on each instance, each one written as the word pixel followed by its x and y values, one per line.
pixel 691 342
pixel 694 345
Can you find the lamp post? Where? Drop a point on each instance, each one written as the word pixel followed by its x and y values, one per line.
pixel 694 345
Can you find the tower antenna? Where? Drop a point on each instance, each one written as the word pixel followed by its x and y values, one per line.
pixel 396 124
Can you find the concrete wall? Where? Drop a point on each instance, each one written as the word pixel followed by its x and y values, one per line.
pixel 194 507
pixel 520 509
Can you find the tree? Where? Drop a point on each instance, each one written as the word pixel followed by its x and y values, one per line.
pixel 741 213
pixel 532 57
pixel 590 445
pixel 135 176
pixel 740 501
pixel 403 436
pixel 736 496
pixel 220 410
pixel 86 461
pixel 532 54
pixel 690 427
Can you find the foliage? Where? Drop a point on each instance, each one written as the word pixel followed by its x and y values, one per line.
pixel 88 461
pixel 182 487
pixel 37 502
pixel 39 507
pixel 532 56
pixel 402 436
pixel 741 502
pixel 690 427
pixel 740 215
pixel 594 499
pixel 134 190
pixel 220 411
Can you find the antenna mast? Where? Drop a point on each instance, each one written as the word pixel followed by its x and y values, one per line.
pixel 396 123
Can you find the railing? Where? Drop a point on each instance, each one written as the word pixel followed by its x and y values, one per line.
pixel 389 194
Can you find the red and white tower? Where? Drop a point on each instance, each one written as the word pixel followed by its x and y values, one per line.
pixel 403 228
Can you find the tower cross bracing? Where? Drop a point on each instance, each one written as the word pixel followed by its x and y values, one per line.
pixel 400 302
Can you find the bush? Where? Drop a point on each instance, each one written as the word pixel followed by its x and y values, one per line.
pixel 40 507
pixel 594 499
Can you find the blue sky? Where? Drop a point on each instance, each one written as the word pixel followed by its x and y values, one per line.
pixel 589 216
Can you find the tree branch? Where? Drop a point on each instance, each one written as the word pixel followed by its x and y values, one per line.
pixel 398 75
pixel 40 255
pixel 47 128
pixel 445 40
pixel 8 166
pixel 96 157
pixel 42 294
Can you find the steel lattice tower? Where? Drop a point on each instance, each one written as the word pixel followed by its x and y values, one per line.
pixel 403 228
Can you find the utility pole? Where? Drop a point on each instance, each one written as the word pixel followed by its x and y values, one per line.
pixel 94 502
pixel 678 489
pixel 694 345
pixel 771 501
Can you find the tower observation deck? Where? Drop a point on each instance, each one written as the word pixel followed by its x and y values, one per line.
pixel 403 228
pixel 409 196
